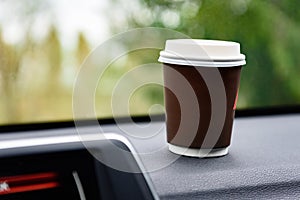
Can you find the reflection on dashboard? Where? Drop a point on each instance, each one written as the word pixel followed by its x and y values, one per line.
pixel 68 170
pixel 50 176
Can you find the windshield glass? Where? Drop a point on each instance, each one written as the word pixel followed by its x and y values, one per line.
pixel 44 43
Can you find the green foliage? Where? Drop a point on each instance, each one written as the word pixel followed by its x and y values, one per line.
pixel 33 74
pixel 269 35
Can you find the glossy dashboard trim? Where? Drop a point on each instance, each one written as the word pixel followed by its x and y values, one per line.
pixel 69 139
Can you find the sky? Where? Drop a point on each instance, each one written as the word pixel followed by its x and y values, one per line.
pixel 69 16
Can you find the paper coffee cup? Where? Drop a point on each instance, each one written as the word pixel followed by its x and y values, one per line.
pixel 201 80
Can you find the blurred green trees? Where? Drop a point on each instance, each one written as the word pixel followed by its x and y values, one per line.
pixel 9 71
pixel 32 80
pixel 36 76
pixel 269 33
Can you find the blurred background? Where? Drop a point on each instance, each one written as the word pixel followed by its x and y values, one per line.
pixel 44 42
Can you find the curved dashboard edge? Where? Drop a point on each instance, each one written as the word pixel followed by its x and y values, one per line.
pixel 17 146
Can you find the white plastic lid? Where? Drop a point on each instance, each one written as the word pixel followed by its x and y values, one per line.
pixel 207 53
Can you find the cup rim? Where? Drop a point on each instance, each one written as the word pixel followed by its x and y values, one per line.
pixel 202 52
pixel 170 58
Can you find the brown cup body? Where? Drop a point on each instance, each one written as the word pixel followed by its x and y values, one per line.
pixel 180 112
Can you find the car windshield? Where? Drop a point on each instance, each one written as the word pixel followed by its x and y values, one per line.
pixel 45 44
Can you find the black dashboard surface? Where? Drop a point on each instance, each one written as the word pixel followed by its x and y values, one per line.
pixel 263 163
pixel 263 160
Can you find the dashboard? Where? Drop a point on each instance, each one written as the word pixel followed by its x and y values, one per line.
pixel 263 163
pixel 65 167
